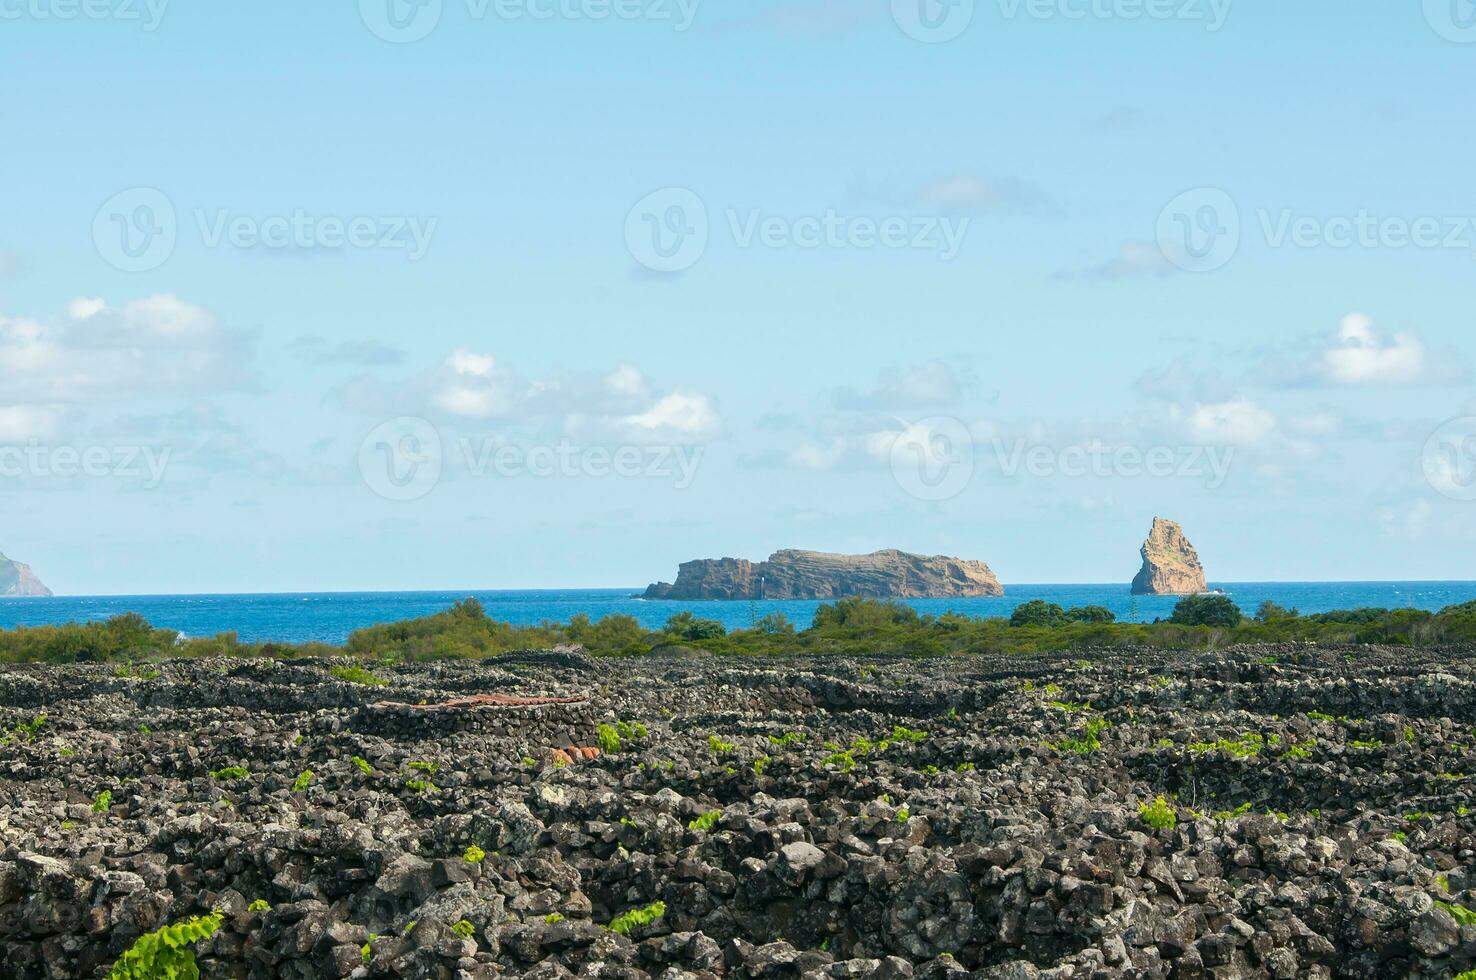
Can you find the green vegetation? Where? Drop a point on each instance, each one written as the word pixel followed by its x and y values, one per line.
pixel 303 780
pixel 421 786
pixel 760 764
pixel 609 739
pixel 474 855
pixel 358 675
pixel 431 767
pixel 464 929
pixel 1462 915
pixel 1089 743
pixel 1244 747
pixel 553 917
pixel 849 626
pixel 718 746
pixel 1159 814
pixel 1207 610
pixel 260 905
pixel 1038 612
pixel 166 954
pixel 706 822
pixel 626 923
pixel 29 729
pixel 102 801
pixel 362 764
pixel 229 772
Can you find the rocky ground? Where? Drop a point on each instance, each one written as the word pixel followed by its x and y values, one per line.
pixel 823 818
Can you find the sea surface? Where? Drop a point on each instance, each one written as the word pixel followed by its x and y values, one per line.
pixel 331 616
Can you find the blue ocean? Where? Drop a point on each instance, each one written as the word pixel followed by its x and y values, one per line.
pixel 331 616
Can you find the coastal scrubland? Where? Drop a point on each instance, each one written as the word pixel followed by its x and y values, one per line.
pixel 851 627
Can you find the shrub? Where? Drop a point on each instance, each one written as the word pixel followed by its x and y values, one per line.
pixel 1038 612
pixel 1091 614
pixel 706 822
pixel 1207 610
pixel 626 923
pixel 718 746
pixel 1159 814
pixel 609 739
pixel 230 772
pixel 464 929
pixel 102 801
pixel 685 626
pixel 362 764
pixel 166 954
pixel 304 778
pixel 358 675
pixel 260 905
pixel 474 855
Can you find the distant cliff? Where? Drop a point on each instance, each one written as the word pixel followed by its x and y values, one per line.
pixel 1170 563
pixel 815 575
pixel 18 580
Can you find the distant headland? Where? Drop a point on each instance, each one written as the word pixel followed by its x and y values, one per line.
pixel 18 580
pixel 791 574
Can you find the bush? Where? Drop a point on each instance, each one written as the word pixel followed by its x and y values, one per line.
pixel 1091 614
pixel 1158 814
pixel 1270 612
pixel 1038 612
pixel 1207 610
pixel 166 954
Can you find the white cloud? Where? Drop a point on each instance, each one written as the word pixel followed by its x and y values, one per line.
pixel 684 415
pixel 1238 422
pixel 156 346
pixel 933 383
pixel 471 364
pixel 24 423
pixel 471 387
pixel 1134 260
pixel 1363 356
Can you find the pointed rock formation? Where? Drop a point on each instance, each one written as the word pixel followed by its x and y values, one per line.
pixel 1170 564
pixel 815 575
pixel 18 580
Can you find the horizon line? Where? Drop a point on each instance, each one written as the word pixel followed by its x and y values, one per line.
pixel 633 591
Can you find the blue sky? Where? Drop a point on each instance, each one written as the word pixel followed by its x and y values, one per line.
pixel 1305 378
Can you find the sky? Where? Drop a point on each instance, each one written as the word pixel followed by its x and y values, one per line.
pixel 561 293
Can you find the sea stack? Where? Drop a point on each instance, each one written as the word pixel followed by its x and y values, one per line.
pixel 815 575
pixel 18 580
pixel 1170 564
